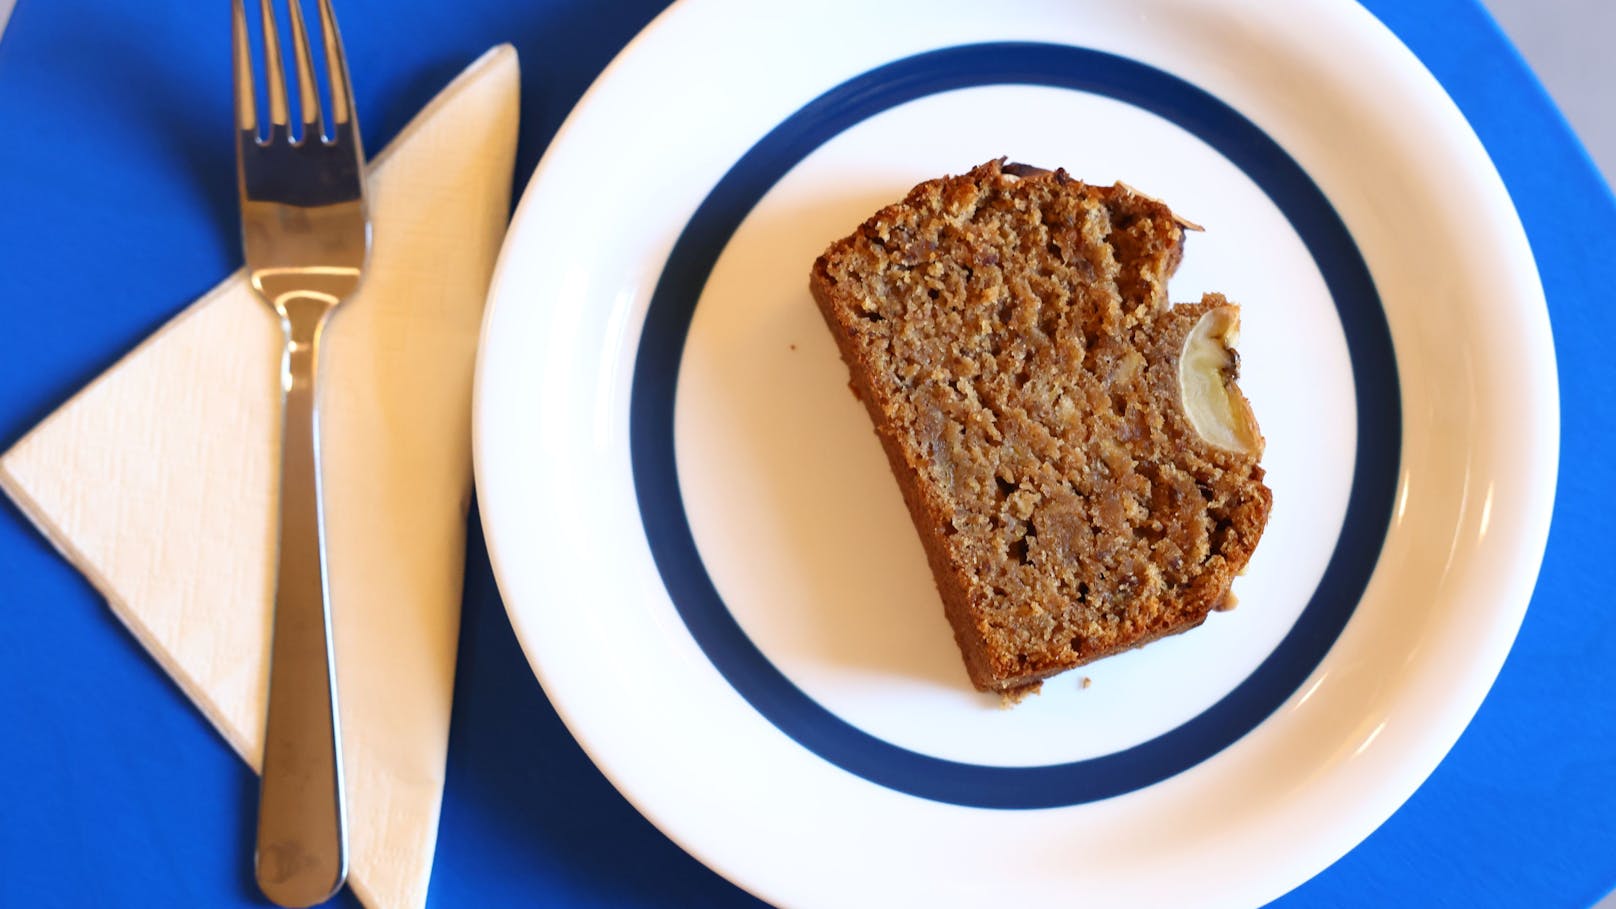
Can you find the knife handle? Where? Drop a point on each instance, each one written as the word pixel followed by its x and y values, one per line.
pixel 302 855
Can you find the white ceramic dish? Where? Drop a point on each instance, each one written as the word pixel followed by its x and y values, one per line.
pixel 710 568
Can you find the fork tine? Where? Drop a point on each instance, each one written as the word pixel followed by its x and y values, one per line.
pixel 336 64
pixel 274 73
pixel 308 91
pixel 241 51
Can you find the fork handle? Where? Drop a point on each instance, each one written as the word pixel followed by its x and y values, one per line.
pixel 302 855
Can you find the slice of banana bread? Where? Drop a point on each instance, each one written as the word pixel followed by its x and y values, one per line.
pixel 1081 467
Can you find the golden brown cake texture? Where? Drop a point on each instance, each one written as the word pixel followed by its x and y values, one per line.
pixel 1079 463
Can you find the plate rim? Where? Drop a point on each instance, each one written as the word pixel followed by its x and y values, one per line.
pixel 1536 535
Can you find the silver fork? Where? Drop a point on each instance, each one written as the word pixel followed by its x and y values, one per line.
pixel 306 234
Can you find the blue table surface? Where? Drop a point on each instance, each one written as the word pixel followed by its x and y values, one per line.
pixel 117 208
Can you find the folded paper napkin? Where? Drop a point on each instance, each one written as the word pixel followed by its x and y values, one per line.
pixel 159 480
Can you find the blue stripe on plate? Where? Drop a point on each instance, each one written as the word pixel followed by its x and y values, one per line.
pixel 763 685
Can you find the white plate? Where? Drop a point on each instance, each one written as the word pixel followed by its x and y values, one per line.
pixel 709 566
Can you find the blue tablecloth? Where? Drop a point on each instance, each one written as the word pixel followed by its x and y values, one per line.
pixel 117 208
